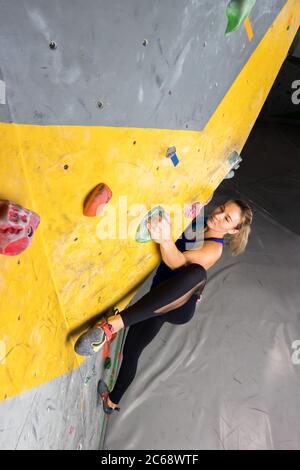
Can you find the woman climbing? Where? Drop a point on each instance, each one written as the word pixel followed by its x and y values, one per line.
pixel 176 287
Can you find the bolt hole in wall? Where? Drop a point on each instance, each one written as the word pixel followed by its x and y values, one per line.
pixel 53 45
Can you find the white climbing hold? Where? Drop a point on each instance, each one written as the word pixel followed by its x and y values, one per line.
pixel 230 175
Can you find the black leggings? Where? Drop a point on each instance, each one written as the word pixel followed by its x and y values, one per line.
pixel 185 279
pixel 145 324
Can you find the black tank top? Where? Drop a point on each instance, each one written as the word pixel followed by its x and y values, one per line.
pixel 163 271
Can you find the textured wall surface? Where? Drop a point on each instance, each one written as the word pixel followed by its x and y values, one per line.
pixel 64 414
pixel 176 80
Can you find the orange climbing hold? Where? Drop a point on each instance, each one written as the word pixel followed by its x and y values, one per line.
pixel 248 28
pixel 96 200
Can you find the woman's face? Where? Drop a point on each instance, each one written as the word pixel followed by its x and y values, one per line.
pixel 225 218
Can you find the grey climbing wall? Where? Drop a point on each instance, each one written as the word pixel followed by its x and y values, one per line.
pixel 64 414
pixel 175 80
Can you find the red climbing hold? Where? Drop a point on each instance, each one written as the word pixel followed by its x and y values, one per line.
pixel 17 226
pixel 105 350
pixel 96 200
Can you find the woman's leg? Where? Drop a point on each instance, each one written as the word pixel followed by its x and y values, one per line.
pixel 138 337
pixel 168 295
pixel 162 298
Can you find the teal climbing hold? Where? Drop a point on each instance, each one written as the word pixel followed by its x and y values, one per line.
pixel 237 11
pixel 233 159
pixel 233 163
pixel 142 233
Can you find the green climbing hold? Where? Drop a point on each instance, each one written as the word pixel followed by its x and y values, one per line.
pixel 237 11
pixel 107 363
pixel 142 233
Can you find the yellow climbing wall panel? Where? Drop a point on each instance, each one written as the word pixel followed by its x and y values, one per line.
pixel 33 330
pixel 69 274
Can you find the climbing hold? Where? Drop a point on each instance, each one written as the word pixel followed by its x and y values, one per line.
pixel 234 159
pixel 192 210
pixel 237 11
pixel 107 363
pixel 237 165
pixel 233 162
pixel 142 233
pixel 66 167
pixel 96 200
pixel 230 175
pixel 248 28
pixel 72 429
pixel 87 380
pixel 100 104
pixel 171 153
pixel 175 160
pixel 145 42
pixel 17 226
pixel 105 350
pixel 289 22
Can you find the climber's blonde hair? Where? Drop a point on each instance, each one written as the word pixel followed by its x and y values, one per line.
pixel 238 241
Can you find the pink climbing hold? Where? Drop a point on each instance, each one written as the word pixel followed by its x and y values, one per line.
pixel 192 210
pixel 17 226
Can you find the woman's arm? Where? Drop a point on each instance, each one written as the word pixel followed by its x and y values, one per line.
pixel 171 256
pixel 206 256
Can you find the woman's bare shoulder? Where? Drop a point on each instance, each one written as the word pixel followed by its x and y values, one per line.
pixel 213 247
